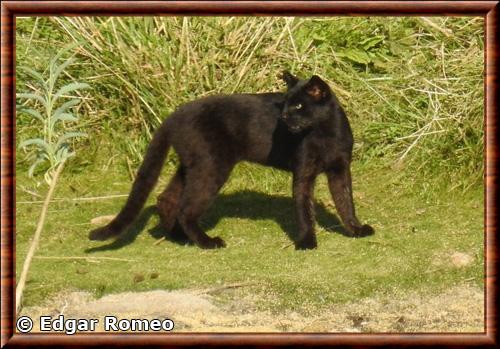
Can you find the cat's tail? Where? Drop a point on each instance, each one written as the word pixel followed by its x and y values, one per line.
pixel 144 183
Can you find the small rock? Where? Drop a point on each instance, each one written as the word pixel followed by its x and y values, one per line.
pixel 459 259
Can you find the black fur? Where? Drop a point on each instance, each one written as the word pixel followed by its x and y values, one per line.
pixel 304 131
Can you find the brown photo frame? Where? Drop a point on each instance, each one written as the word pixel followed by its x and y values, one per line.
pixel 10 9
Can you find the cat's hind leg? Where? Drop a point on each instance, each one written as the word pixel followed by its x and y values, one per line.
pixel 168 201
pixel 168 204
pixel 201 186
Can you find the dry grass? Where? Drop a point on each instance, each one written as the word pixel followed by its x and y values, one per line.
pixel 411 86
pixel 459 309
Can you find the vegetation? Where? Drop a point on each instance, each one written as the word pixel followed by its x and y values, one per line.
pixel 412 88
pixel 50 147
pixel 44 106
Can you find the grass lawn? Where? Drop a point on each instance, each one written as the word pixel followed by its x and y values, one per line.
pixel 418 227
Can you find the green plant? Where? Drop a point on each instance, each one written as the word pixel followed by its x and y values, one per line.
pixel 46 107
pixel 52 146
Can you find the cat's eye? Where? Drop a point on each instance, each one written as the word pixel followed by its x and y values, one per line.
pixel 298 106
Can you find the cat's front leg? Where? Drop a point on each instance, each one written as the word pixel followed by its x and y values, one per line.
pixel 304 206
pixel 340 184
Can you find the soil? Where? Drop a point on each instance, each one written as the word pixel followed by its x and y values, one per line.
pixel 459 309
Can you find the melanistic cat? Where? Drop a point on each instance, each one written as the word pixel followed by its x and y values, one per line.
pixel 304 131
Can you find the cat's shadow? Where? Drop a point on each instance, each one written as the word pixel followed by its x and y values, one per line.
pixel 243 204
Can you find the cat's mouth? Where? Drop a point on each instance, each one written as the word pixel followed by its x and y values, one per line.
pixel 292 126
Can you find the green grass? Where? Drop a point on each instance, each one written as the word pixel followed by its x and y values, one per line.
pixel 412 88
pixel 414 93
pixel 416 227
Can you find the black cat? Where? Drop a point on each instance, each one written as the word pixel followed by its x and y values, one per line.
pixel 304 131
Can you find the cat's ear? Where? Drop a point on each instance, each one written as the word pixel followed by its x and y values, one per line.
pixel 317 89
pixel 290 80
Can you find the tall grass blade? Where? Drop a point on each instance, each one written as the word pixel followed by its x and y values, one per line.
pixel 60 53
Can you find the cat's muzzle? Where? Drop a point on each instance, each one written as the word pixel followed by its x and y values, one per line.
pixel 291 127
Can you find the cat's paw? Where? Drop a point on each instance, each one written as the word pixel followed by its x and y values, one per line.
pixel 212 243
pixel 103 233
pixel 364 230
pixel 308 243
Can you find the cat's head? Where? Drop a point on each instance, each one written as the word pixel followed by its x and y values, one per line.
pixel 307 102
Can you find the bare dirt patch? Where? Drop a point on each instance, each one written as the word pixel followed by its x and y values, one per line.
pixel 454 259
pixel 459 309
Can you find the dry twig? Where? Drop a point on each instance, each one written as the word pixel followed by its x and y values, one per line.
pixel 88 258
pixel 36 238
